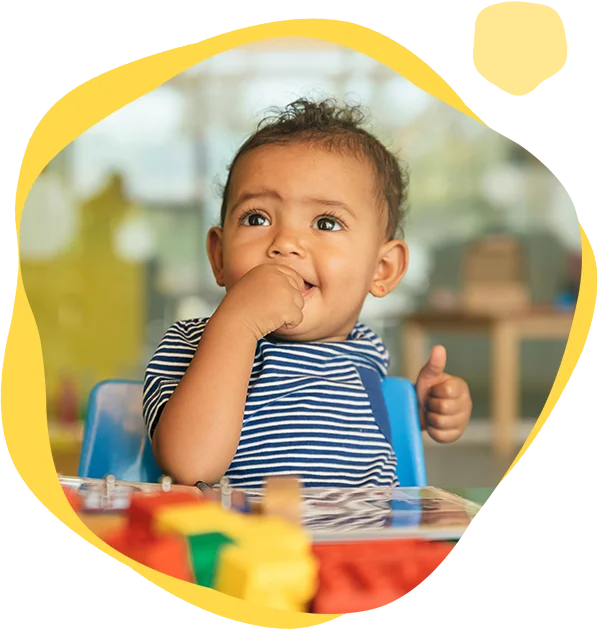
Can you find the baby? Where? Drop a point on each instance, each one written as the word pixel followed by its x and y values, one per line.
pixel 282 379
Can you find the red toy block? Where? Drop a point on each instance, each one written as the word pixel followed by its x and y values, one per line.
pixel 168 554
pixel 389 577
pixel 358 576
pixel 73 497
pixel 143 508
pixel 393 550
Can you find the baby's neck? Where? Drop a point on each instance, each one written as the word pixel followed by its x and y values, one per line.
pixel 276 339
pixel 328 339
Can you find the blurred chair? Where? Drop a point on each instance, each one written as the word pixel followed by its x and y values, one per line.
pixel 406 435
pixel 116 440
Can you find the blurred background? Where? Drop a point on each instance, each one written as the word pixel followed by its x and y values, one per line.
pixel 113 233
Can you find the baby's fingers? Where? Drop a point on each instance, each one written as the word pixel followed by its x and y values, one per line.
pixel 294 278
pixel 294 318
pixel 444 423
pixel 452 387
pixel 298 299
pixel 445 406
pixel 444 437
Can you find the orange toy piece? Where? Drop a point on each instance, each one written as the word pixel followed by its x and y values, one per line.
pixel 361 576
pixel 140 541
pixel 73 497
pixel 143 510
pixel 432 578
pixel 168 554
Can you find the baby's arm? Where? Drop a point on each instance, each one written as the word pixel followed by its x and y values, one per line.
pixel 198 431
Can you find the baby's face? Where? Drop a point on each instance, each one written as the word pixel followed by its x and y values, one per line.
pixel 315 211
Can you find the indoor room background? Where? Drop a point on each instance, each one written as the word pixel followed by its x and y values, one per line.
pixel 112 243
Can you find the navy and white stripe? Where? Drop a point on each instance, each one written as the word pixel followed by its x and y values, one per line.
pixel 307 410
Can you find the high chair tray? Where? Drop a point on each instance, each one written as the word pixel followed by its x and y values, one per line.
pixel 335 514
pixel 330 514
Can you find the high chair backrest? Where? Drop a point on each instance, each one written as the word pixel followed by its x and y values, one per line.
pixel 116 442
pixel 405 431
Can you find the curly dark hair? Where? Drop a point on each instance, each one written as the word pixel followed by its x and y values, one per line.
pixel 337 128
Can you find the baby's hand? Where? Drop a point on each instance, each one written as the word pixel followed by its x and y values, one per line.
pixel 267 298
pixel 444 400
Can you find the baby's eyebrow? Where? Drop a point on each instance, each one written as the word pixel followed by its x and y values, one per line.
pixel 331 203
pixel 262 194
pixel 273 194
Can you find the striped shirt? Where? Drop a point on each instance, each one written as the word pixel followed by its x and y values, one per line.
pixel 313 410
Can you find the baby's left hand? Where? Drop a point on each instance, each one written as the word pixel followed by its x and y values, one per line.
pixel 444 400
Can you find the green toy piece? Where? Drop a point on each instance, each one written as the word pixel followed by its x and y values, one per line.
pixel 204 550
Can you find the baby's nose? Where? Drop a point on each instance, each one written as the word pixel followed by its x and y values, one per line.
pixel 286 243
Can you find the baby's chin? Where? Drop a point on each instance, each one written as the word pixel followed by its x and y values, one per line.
pixel 292 335
pixel 301 334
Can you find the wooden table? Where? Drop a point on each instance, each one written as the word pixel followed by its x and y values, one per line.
pixel 506 331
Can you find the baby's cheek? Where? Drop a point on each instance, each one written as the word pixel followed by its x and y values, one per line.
pixel 237 268
pixel 343 268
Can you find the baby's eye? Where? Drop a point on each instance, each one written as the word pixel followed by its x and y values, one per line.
pixel 254 219
pixel 328 224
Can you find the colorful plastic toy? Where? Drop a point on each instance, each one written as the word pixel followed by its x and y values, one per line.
pixel 264 557
pixel 75 501
pixel 167 554
pixel 266 560
pixel 205 555
pixel 412 577
pixel 360 576
pixel 268 576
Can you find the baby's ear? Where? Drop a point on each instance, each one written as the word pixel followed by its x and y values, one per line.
pixel 214 247
pixel 393 260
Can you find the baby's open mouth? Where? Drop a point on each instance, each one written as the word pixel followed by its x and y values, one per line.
pixel 307 287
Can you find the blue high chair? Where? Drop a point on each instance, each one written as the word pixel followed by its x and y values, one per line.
pixel 116 441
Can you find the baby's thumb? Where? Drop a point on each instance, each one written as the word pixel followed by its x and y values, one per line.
pixel 436 363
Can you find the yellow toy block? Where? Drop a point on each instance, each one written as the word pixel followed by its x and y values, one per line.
pixel 267 577
pixel 270 532
pixel 190 519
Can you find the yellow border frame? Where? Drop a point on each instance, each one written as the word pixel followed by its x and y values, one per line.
pixel 55 568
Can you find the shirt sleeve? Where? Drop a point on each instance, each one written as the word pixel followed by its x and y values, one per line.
pixel 168 366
